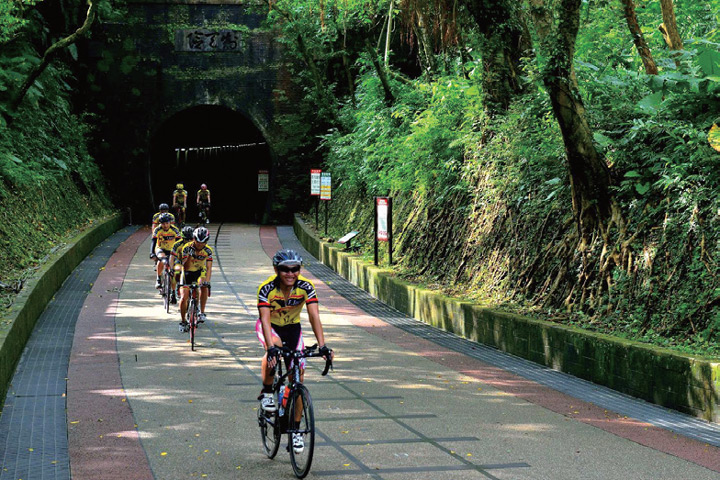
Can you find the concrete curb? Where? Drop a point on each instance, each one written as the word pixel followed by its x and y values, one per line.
pixel 18 324
pixel 661 376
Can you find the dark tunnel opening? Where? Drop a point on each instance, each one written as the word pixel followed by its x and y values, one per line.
pixel 215 146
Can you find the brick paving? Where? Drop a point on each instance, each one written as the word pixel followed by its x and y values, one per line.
pixel 33 424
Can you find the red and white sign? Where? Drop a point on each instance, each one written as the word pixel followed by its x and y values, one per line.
pixel 382 203
pixel 315 181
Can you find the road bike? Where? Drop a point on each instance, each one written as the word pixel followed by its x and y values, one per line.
pixel 193 312
pixel 294 413
pixel 166 291
pixel 203 212
pixel 179 215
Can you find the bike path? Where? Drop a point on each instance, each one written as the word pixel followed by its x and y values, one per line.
pixel 397 406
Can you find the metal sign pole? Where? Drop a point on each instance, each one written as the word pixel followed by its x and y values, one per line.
pixel 390 230
pixel 326 216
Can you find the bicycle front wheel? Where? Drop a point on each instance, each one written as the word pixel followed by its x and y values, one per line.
pixel 301 423
pixel 269 431
pixel 167 290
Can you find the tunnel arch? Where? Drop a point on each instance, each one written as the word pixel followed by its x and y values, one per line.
pixel 217 146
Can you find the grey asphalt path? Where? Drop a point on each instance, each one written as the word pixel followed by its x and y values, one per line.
pixel 384 413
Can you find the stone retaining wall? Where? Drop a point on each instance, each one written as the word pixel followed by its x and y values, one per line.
pixel 17 325
pixel 667 378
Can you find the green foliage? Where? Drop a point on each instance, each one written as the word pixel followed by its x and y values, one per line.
pixel 13 17
pixel 482 203
pixel 49 185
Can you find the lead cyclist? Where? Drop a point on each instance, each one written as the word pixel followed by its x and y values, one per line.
pixel 280 301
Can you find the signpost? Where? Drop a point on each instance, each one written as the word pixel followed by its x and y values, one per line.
pixel 383 225
pixel 315 191
pixel 326 194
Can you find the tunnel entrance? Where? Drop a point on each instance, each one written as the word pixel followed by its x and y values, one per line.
pixel 215 146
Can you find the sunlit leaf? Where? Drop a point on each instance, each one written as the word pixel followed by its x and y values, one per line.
pixel 714 137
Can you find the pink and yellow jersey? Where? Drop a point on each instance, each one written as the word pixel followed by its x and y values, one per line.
pixel 285 312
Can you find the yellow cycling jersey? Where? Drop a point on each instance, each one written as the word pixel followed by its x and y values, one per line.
pixel 166 238
pixel 196 259
pixel 156 217
pixel 285 311
pixel 203 195
pixel 180 196
pixel 177 249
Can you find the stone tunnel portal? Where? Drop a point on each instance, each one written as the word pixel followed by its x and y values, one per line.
pixel 215 146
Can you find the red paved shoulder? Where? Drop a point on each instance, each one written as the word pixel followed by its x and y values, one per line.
pixel 102 435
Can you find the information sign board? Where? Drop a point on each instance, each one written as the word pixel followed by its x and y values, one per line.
pixel 315 181
pixel 263 181
pixel 325 186
pixel 383 232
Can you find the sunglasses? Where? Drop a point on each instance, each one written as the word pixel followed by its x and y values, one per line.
pixel 285 269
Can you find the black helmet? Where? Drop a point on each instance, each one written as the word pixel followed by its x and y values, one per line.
pixel 165 217
pixel 164 206
pixel 187 232
pixel 287 257
pixel 201 234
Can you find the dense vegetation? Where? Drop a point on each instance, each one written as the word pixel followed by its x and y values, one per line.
pixel 537 160
pixel 50 187
pixel 552 157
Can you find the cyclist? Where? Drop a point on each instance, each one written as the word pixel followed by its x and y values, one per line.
pixel 175 254
pixel 280 301
pixel 164 208
pixel 196 259
pixel 180 202
pixel 203 201
pixel 164 237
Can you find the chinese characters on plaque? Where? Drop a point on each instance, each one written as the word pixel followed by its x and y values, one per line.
pixel 203 40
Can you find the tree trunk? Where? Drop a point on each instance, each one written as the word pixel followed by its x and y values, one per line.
pixel 669 28
pixel 638 37
pixel 382 75
pixel 504 41
pixel 317 78
pixel 425 47
pixel 350 79
pixel 669 25
pixel 589 175
pixel 52 52
pixel 388 33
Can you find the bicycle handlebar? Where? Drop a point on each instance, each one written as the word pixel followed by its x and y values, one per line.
pixel 307 352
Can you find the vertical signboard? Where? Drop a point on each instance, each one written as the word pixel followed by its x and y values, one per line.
pixel 383 225
pixel 315 181
pixel 325 186
pixel 263 180
pixel 383 234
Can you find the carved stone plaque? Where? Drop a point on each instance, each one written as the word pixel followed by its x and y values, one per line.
pixel 203 40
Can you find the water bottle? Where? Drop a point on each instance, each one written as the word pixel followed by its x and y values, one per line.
pixel 282 399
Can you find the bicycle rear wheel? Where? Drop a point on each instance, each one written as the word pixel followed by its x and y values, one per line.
pixel 269 431
pixel 301 403
pixel 193 322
